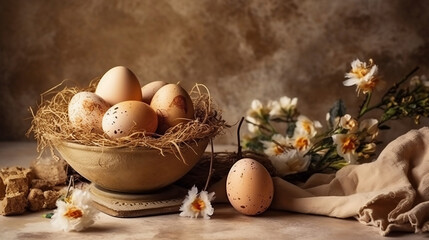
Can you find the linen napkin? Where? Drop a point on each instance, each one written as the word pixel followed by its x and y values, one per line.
pixel 391 193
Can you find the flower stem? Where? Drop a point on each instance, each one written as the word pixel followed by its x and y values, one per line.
pixel 272 130
pixel 364 108
pixel 239 150
pixel 211 165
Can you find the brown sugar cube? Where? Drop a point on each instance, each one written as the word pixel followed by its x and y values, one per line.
pixel 35 199
pixel 51 198
pixel 41 184
pixel 16 171
pixel 16 184
pixel 51 170
pixel 13 204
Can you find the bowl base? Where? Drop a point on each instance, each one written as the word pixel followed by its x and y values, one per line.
pixel 116 204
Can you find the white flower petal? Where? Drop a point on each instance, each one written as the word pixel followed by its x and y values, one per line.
pixel 350 82
pixel 290 162
pixel 187 210
pixel 79 203
pixel 256 104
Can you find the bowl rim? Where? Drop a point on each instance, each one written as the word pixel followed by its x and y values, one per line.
pixel 74 145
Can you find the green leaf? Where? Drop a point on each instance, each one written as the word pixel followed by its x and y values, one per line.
pixel 290 129
pixel 48 215
pixel 391 111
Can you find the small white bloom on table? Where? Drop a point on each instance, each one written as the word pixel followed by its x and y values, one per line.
pixel 74 213
pixel 197 204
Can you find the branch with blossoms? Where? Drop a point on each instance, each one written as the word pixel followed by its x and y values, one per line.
pixel 299 147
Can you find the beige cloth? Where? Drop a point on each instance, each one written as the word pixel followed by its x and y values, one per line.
pixel 391 193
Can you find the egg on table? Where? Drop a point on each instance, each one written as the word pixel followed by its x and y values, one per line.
pixel 148 90
pixel 86 111
pixel 173 105
pixel 249 187
pixel 127 117
pixel 119 84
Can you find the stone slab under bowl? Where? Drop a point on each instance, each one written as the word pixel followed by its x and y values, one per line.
pixel 124 205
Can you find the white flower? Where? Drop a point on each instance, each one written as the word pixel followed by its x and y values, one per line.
pixel 305 126
pixel 425 80
pixel 75 213
pixel 419 80
pixel 349 123
pixel 301 142
pixel 285 104
pixel 197 204
pixel 346 146
pixel 370 126
pixel 258 110
pixel 289 162
pixel 362 75
pixel 253 124
pixel 272 148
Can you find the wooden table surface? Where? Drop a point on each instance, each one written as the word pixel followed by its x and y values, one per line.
pixel 225 223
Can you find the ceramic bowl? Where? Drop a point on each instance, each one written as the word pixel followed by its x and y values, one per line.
pixel 131 170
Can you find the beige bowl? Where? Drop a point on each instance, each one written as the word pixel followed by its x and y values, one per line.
pixel 130 170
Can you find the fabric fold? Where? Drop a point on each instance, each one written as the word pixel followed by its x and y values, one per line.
pixel 391 193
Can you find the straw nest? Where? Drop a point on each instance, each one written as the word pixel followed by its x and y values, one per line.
pixel 51 125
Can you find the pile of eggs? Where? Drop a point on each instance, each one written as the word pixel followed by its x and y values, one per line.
pixel 120 106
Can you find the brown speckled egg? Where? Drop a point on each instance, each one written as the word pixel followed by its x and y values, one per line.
pixel 249 187
pixel 86 110
pixel 128 117
pixel 173 105
pixel 119 84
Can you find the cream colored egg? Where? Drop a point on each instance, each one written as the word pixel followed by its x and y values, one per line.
pixel 173 105
pixel 119 84
pixel 249 187
pixel 86 110
pixel 150 89
pixel 128 117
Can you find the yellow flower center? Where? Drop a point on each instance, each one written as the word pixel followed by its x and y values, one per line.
pixel 349 145
pixel 361 71
pixel 73 212
pixel 301 143
pixel 307 126
pixel 368 86
pixel 278 150
pixel 197 205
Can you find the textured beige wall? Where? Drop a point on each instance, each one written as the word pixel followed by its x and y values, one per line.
pixel 240 49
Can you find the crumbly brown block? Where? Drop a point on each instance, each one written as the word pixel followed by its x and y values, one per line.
pixel 50 170
pixel 51 197
pixel 16 184
pixel 16 171
pixel 19 190
pixel 13 204
pixel 14 190
pixel 35 199
pixel 41 184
